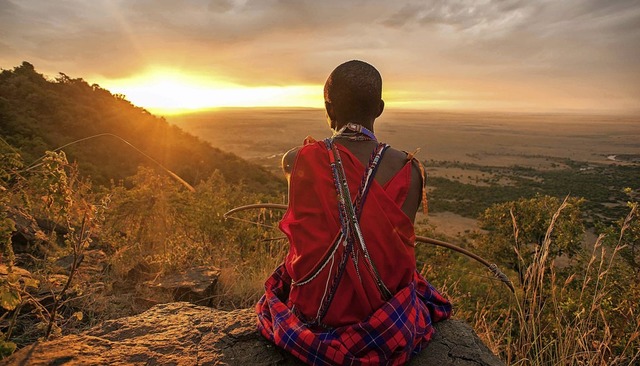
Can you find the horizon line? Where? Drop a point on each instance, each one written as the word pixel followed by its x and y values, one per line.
pixel 160 112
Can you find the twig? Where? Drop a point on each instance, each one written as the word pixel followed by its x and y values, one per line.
pixel 72 271
pixel 172 174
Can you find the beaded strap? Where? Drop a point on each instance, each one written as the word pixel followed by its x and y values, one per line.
pixel 350 232
pixel 349 219
pixel 354 215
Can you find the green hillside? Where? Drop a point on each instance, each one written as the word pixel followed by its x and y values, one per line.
pixel 39 114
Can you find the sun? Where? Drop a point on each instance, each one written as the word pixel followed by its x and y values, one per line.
pixel 167 91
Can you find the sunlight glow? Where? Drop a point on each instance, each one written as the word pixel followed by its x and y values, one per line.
pixel 173 92
pixel 170 92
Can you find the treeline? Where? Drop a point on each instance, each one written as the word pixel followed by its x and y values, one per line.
pixel 602 185
pixel 39 114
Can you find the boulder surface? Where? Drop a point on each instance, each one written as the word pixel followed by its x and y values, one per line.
pixel 182 333
pixel 196 285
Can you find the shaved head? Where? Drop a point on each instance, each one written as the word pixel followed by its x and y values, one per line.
pixel 354 89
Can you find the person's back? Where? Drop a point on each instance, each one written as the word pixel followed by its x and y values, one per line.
pixel 391 165
pixel 350 274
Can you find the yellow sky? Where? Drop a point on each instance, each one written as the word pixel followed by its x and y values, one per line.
pixel 168 56
pixel 166 92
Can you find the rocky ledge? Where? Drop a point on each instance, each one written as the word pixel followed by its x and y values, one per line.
pixel 185 334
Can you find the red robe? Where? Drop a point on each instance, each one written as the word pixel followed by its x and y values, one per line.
pixel 311 223
pixel 359 327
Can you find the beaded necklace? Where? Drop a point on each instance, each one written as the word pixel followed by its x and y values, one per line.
pixel 355 132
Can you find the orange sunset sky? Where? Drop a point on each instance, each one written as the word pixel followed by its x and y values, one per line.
pixel 174 56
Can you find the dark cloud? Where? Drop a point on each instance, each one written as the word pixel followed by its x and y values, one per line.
pixel 461 15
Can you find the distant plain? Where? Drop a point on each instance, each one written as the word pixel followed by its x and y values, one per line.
pixel 496 139
pixel 262 135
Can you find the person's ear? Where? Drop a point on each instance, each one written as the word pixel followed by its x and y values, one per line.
pixel 380 108
pixel 331 115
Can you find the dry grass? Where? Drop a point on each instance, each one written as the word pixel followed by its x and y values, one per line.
pixel 242 284
pixel 562 321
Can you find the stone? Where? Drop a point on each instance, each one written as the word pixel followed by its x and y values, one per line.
pixel 196 285
pixel 92 263
pixel 186 334
pixel 455 343
pixel 27 235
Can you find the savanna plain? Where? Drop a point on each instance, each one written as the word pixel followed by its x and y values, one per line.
pixel 469 148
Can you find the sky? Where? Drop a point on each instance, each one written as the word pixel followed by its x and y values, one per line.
pixel 545 56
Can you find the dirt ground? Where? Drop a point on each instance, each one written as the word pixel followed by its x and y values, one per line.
pixel 448 223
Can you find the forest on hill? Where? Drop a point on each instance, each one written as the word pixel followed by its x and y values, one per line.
pixel 38 114
pixel 86 233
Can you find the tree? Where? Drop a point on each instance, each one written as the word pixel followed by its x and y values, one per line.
pixel 625 233
pixel 516 230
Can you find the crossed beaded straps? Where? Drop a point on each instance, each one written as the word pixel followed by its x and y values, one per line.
pixel 350 232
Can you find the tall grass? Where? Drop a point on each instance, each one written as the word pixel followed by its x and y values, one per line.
pixel 564 319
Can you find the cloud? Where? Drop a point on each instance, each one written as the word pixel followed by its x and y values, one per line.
pixel 576 46
pixel 486 17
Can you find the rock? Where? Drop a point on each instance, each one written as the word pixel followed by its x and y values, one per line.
pixel 140 273
pixel 455 343
pixel 92 263
pixel 196 285
pixel 186 334
pixel 27 236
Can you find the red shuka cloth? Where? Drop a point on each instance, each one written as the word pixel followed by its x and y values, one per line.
pixel 312 223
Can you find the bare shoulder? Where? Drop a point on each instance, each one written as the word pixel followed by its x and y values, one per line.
pixel 402 157
pixel 417 186
pixel 288 159
pixel 417 174
pixel 414 196
pixel 394 160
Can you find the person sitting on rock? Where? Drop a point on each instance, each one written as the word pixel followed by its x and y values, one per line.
pixel 348 291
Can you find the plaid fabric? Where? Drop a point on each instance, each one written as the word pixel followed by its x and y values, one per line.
pixel 393 333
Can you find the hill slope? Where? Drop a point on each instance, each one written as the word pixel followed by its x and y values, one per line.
pixel 37 114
